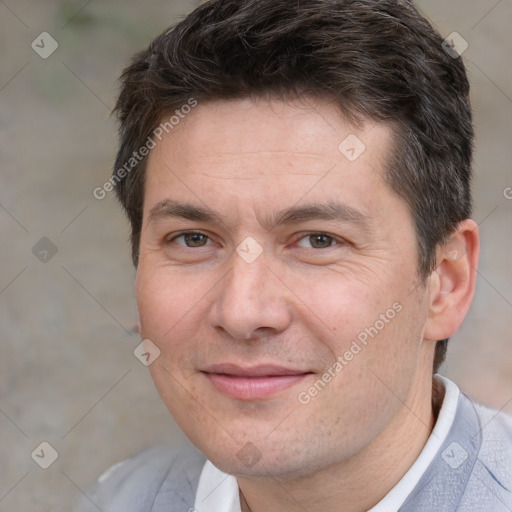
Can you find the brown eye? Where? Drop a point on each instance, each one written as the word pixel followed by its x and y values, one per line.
pixel 192 239
pixel 317 241
pixel 195 239
pixel 321 241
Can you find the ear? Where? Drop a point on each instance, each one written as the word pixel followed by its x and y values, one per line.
pixel 452 283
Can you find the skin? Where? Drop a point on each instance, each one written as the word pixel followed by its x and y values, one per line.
pixel 300 304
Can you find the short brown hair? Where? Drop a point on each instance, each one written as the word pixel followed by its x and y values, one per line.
pixel 377 59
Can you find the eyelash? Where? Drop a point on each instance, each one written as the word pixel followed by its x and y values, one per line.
pixel 183 234
pixel 335 240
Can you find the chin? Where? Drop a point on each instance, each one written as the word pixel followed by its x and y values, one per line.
pixel 253 462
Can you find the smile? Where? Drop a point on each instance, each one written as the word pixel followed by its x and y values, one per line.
pixel 254 383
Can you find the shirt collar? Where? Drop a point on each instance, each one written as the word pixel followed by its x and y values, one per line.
pixel 399 494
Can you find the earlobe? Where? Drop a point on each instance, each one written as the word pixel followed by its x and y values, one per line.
pixel 452 283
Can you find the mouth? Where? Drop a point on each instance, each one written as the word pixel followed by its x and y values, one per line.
pixel 253 383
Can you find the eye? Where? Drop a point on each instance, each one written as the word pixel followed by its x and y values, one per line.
pixel 317 241
pixel 191 239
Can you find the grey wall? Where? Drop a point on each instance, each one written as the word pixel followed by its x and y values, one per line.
pixel 68 375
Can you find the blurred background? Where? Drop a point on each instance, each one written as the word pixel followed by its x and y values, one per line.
pixel 68 375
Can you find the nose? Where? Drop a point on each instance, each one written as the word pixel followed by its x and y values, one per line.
pixel 251 301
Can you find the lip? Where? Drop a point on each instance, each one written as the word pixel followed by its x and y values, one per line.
pixel 253 383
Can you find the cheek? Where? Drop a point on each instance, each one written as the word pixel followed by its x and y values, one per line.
pixel 174 314
pixel 165 302
pixel 374 326
pixel 168 317
pixel 343 308
pixel 154 303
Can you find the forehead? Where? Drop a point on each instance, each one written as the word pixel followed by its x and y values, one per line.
pixel 313 127
pixel 270 150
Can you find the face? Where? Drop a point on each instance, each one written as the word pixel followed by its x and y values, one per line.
pixel 278 278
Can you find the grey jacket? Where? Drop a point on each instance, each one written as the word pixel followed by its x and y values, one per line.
pixel 472 472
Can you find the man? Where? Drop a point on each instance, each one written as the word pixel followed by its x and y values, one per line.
pixel 297 178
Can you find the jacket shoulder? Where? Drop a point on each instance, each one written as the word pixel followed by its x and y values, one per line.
pixel 163 478
pixel 490 484
pixel 496 450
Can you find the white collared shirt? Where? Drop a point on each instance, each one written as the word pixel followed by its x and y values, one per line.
pixel 219 491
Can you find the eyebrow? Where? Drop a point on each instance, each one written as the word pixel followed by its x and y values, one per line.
pixel 169 208
pixel 332 211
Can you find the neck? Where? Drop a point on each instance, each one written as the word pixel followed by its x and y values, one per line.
pixel 357 484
